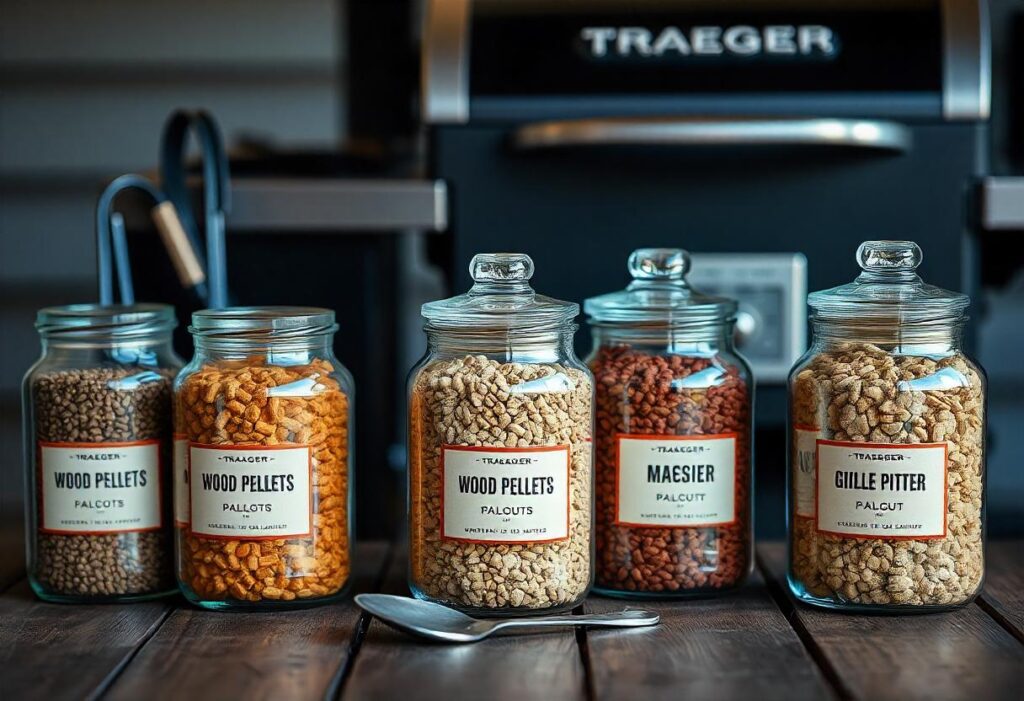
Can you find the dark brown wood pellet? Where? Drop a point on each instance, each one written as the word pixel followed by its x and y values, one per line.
pixel 98 405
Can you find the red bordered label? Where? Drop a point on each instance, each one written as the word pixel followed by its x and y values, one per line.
pixel 505 495
pixel 803 475
pixel 100 488
pixel 182 497
pixel 882 490
pixel 676 481
pixel 254 492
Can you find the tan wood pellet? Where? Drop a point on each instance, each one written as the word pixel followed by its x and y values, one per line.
pixel 469 401
pixel 854 393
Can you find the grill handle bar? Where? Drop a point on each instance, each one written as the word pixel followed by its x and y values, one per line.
pixel 719 131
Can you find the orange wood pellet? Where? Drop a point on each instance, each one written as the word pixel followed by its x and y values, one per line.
pixel 228 404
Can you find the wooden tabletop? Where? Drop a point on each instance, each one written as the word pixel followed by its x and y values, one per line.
pixel 755 644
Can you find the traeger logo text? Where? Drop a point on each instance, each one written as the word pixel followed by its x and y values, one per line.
pixel 738 40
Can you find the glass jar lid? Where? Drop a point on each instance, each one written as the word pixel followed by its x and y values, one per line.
pixel 269 323
pixel 888 290
pixel 501 299
pixel 114 323
pixel 659 294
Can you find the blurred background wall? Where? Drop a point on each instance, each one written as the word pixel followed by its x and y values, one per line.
pixel 84 90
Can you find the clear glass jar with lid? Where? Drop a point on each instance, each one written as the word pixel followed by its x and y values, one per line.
pixel 97 420
pixel 887 445
pixel 263 483
pixel 673 436
pixel 500 423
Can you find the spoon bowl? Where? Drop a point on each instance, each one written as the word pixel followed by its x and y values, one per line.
pixel 438 622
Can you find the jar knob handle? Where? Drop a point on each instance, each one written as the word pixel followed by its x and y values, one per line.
pixel 659 264
pixel 501 267
pixel 897 257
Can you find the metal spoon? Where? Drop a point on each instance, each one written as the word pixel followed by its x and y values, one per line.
pixel 439 622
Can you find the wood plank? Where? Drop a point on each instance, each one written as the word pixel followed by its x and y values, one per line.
pixel 738 646
pixel 281 655
pixel 961 654
pixel 392 665
pixel 56 651
pixel 1003 595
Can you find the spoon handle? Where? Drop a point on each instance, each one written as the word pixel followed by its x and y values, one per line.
pixel 620 619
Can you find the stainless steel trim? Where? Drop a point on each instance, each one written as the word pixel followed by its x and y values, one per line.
pixel 267 205
pixel 739 131
pixel 797 311
pixel 967 60
pixel 444 79
pixel 440 205
pixel 1002 204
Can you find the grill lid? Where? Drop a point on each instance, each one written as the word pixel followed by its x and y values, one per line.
pixel 529 60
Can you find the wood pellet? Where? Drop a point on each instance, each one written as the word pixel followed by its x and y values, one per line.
pixel 862 394
pixel 97 406
pixel 474 401
pixel 249 404
pixel 637 394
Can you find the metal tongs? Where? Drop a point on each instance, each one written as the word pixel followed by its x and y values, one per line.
pixel 205 279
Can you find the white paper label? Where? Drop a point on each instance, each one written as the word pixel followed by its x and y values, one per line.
pixel 506 495
pixel 181 490
pixel 90 488
pixel 803 474
pixel 676 480
pixel 873 490
pixel 255 492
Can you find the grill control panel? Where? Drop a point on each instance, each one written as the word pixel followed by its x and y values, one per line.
pixel 771 325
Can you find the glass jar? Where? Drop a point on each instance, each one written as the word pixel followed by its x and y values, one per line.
pixel 264 501
pixel 673 436
pixel 886 440
pixel 97 420
pixel 500 423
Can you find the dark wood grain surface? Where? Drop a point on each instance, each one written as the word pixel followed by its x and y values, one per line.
pixel 1003 595
pixel 545 665
pixel 961 654
pixel 55 651
pixel 755 644
pixel 288 655
pixel 735 646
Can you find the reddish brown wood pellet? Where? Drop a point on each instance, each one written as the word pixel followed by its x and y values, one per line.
pixel 635 395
